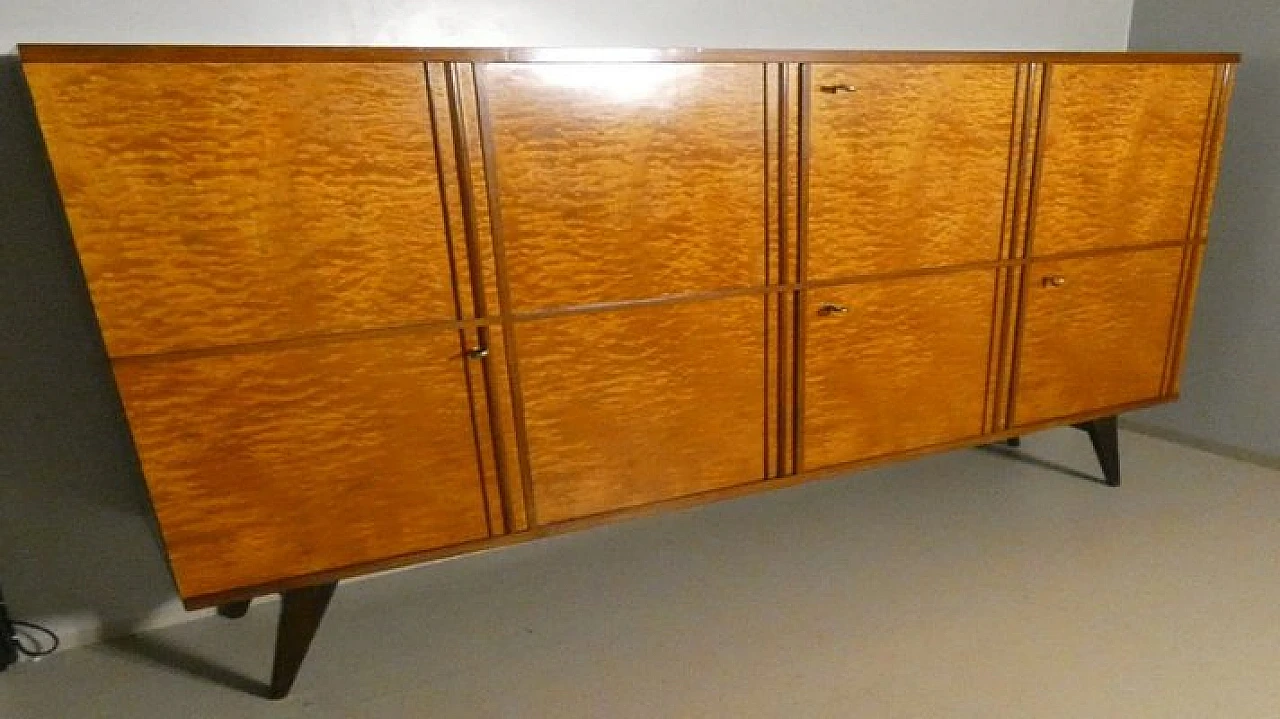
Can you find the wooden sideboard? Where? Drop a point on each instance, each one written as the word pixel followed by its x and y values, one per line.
pixel 370 307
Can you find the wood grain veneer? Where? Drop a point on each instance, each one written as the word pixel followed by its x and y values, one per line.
pixel 1121 153
pixel 1098 340
pixel 838 471
pixel 281 463
pixel 298 245
pixel 635 406
pixel 218 204
pixel 629 180
pixel 905 367
pixel 908 168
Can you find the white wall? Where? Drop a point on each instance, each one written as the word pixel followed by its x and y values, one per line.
pixel 975 24
pixel 76 548
pixel 1231 390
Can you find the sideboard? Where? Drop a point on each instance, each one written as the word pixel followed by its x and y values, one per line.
pixel 369 307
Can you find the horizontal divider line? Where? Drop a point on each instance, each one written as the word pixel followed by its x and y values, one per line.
pixel 671 299
pixel 311 339
pixel 303 340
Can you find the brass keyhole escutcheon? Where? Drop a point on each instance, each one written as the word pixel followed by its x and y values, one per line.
pixel 1054 281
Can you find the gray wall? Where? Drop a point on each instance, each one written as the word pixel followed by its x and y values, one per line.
pixel 76 548
pixel 1231 389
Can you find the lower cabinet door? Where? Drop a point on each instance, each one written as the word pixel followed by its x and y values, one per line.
pixel 638 405
pixel 265 464
pixel 1095 332
pixel 894 365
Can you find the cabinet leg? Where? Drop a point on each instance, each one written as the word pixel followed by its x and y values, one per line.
pixel 300 613
pixel 234 610
pixel 1104 435
pixel 1014 442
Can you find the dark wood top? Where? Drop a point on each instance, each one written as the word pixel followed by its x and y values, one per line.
pixel 242 53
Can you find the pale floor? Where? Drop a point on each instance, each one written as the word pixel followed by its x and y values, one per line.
pixel 963 585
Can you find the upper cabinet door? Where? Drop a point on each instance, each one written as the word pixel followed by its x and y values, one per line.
pixel 907 165
pixel 216 204
pixel 1120 152
pixel 628 180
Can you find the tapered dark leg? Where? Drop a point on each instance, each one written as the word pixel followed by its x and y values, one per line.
pixel 300 613
pixel 1106 444
pixel 1014 441
pixel 234 610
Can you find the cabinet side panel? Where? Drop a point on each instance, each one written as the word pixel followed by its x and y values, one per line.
pixel 1200 233
pixel 218 204
pixel 273 464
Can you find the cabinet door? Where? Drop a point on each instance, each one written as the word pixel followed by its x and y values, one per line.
pixel 1120 152
pixel 895 365
pixel 265 464
pixel 628 180
pixel 907 165
pixel 220 204
pixel 634 406
pixel 1095 332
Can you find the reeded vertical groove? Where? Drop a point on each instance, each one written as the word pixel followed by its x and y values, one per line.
pixel 456 284
pixel 783 304
pixel 772 339
pixel 801 231
pixel 476 271
pixel 1000 299
pixel 1023 147
pixel 1035 119
pixel 489 161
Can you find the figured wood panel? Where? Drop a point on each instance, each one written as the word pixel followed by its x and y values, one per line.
pixel 1098 340
pixel 907 169
pixel 1121 151
pixel 904 367
pixel 628 407
pixel 270 464
pixel 628 180
pixel 218 204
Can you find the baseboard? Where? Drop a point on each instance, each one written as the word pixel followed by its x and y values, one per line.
pixel 1205 445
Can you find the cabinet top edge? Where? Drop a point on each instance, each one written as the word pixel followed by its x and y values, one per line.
pixel 73 53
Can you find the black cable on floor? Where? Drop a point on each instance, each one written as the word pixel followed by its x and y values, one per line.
pixel 34 650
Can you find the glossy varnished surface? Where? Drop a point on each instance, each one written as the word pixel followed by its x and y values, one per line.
pixel 1098 340
pixel 570 184
pixel 635 406
pixel 908 168
pixel 220 204
pixel 264 465
pixel 905 367
pixel 1121 151
pixel 625 181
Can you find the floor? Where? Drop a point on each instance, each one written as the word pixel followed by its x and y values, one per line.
pixel 972 584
